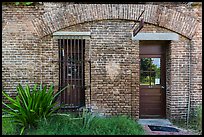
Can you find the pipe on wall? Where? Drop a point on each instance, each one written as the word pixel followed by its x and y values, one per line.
pixel 89 61
pixel 41 71
pixel 189 91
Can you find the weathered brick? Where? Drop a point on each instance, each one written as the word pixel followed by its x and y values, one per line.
pixel 30 54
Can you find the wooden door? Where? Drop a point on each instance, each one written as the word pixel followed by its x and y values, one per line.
pixel 152 81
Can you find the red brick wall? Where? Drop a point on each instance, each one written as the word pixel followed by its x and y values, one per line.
pixel 179 79
pixel 111 57
pixel 196 62
pixel 20 51
pixel 30 54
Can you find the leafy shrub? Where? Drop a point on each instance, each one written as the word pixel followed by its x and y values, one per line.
pixel 199 118
pixel 30 106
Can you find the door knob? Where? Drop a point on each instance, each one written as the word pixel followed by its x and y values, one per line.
pixel 162 87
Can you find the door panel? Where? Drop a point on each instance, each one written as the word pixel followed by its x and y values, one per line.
pixel 152 83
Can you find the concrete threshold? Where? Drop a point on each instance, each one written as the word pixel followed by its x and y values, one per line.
pixel 156 122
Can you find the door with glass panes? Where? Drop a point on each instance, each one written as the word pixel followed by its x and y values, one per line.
pixel 152 82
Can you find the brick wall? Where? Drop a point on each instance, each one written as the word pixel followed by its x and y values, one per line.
pixel 111 57
pixel 72 14
pixel 31 57
pixel 20 51
pixel 179 78
pixel 111 69
pixel 196 62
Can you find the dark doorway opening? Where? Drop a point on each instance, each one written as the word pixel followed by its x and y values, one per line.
pixel 71 72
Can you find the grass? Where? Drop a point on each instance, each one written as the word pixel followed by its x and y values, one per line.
pixel 65 125
pixel 192 126
pixel 8 128
pixel 195 122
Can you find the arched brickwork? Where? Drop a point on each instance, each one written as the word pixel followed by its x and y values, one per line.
pixel 73 14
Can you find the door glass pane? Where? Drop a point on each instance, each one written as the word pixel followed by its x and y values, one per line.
pixel 150 71
pixel 155 78
pixel 145 64
pixel 155 64
pixel 144 78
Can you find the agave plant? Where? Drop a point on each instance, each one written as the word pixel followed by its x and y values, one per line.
pixel 30 106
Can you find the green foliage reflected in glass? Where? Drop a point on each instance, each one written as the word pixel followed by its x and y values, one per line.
pixel 150 71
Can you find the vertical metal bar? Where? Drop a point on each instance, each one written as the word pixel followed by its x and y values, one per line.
pixel 89 79
pixel 81 67
pixel 62 73
pixel 71 91
pixel 74 72
pixel 64 69
pixel 75 67
pixel 150 72
pixel 67 77
pixel 82 70
pixel 68 62
pixel 60 63
pixel 64 66
pixel 74 78
pixel 78 69
pixel 77 58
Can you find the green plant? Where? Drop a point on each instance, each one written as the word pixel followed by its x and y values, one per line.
pixel 19 3
pixel 195 121
pixel 65 125
pixel 87 118
pixel 61 124
pixel 115 125
pixel 24 3
pixel 8 128
pixel 30 106
pixel 199 118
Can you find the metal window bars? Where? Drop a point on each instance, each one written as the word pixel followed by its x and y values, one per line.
pixel 71 71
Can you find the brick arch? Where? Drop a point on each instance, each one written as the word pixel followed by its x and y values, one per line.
pixel 74 14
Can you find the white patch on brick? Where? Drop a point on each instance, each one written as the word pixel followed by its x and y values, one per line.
pixel 113 69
